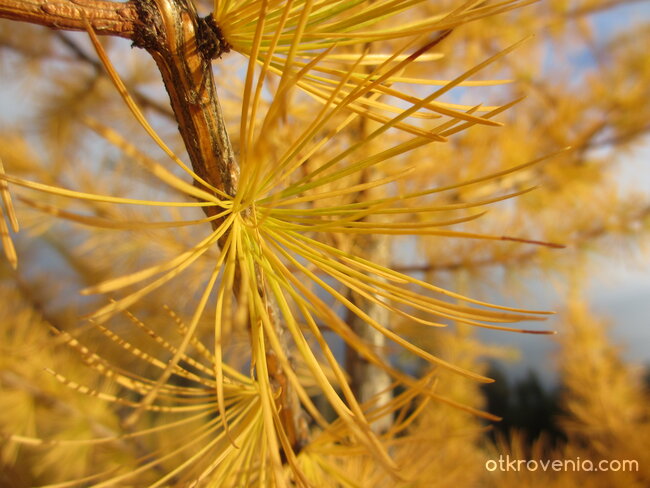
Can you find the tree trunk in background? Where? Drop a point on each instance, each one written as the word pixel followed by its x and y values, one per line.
pixel 368 381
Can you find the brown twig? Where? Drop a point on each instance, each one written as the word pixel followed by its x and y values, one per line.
pixel 107 18
pixel 143 99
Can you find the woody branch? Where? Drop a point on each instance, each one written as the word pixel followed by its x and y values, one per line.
pixel 107 18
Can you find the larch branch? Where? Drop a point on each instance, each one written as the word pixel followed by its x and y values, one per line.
pixel 183 45
pixel 106 18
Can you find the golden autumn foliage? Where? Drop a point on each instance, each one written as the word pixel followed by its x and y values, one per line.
pixel 289 293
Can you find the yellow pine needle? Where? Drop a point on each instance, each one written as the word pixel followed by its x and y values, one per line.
pixel 440 22
pixel 278 105
pixel 314 82
pixel 264 72
pixel 309 183
pixel 233 374
pixel 85 390
pixel 399 404
pixel 315 244
pixel 348 190
pixel 137 113
pixel 63 192
pixel 111 223
pixel 361 90
pixel 7 243
pixel 371 13
pixel 230 456
pixel 107 311
pixel 445 108
pixel 176 265
pixel 325 28
pixel 374 324
pixel 295 40
pixel 373 59
pixel 266 396
pixel 450 130
pixel 366 87
pixel 244 463
pixel 317 124
pixel 164 426
pixel 149 398
pixel 440 233
pixel 185 442
pixel 421 103
pixel 203 351
pixel 248 84
pixel 426 81
pixel 223 319
pixel 364 227
pixel 241 418
pixel 284 361
pixel 149 164
pixel 352 414
pixel 359 282
pixel 6 200
pixel 360 109
pixel 297 188
pixel 179 370
pixel 371 109
pixel 381 207
pixel 339 326
pixel 288 451
pixel 490 176
pixel 293 327
pixel 249 184
pixel 366 106
pixel 466 408
pixel 276 283
pixel 5 237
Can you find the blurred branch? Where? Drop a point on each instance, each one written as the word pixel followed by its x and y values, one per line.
pixel 143 99
pixel 510 259
pixel 622 138
pixel 592 9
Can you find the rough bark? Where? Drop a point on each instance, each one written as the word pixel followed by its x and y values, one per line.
pixel 182 45
pixel 107 18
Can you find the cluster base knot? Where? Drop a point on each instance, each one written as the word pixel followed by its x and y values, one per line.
pixel 211 41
